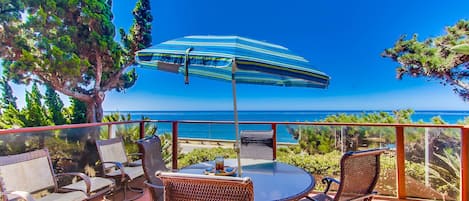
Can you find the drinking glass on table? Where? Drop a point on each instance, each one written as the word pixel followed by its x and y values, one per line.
pixel 219 163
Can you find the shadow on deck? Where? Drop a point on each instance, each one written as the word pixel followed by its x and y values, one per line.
pixel 119 196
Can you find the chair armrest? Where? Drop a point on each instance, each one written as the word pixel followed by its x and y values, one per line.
pixel 85 178
pixel 121 168
pixel 135 154
pixel 153 185
pixel 22 194
pixel 329 181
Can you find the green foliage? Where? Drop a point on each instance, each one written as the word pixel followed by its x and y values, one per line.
pixel 7 94
pixel 9 18
pixel 204 154
pixel 55 106
pixel 35 114
pixel 324 139
pixel 11 118
pixel 319 164
pixel 442 58
pixel 166 147
pixel 69 45
pixel 140 32
pixel 316 139
pixel 461 48
pixel 447 177
pixel 77 111
pixel 129 132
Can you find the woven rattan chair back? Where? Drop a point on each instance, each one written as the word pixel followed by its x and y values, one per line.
pixel 257 144
pixel 191 187
pixel 112 150
pixel 152 162
pixel 29 172
pixel 359 174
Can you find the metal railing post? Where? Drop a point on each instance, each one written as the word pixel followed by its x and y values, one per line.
pixel 110 131
pixel 464 164
pixel 400 163
pixel 142 129
pixel 274 140
pixel 175 145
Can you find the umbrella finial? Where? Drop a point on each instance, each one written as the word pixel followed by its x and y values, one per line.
pixel 186 65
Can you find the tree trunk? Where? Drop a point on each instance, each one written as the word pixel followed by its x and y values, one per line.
pixel 91 112
pixel 94 109
pixel 94 113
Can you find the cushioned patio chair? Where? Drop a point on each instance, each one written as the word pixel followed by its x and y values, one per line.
pixel 257 144
pixel 28 173
pixel 194 187
pixel 359 173
pixel 152 162
pixel 116 164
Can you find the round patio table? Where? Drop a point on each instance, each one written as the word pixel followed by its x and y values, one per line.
pixel 272 180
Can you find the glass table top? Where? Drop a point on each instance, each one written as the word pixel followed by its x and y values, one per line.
pixel 272 180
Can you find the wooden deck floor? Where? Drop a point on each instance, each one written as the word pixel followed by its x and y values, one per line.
pixel 147 197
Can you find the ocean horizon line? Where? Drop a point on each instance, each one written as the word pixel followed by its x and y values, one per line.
pixel 332 110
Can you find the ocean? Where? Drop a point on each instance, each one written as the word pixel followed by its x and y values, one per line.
pixel 226 131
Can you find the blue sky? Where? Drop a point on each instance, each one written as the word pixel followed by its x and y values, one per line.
pixel 341 38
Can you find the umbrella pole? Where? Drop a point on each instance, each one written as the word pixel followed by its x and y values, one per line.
pixel 235 111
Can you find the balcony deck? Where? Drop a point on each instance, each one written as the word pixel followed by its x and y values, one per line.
pixel 147 197
pixel 401 188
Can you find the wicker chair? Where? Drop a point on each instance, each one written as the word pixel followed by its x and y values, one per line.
pixel 359 173
pixel 257 144
pixel 116 164
pixel 194 187
pixel 28 173
pixel 152 162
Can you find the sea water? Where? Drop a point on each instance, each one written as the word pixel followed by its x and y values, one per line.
pixel 227 131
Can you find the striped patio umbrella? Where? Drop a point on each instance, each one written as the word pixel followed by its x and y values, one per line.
pixel 232 58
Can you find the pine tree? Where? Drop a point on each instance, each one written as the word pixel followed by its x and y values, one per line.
pixel 444 58
pixel 7 98
pixel 11 118
pixel 78 111
pixel 35 113
pixel 70 46
pixel 55 106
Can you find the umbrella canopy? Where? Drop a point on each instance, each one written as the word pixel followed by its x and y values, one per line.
pixel 233 58
pixel 257 62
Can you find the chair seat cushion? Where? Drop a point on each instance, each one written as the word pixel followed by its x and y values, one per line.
pixel 132 172
pixel 71 196
pixel 97 183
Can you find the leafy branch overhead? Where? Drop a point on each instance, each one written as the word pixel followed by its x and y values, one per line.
pixel 444 58
pixel 70 46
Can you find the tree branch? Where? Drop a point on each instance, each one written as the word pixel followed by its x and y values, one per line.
pixel 99 73
pixel 114 79
pixel 458 83
pixel 59 86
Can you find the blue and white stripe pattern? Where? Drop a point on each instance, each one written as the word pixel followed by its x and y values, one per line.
pixel 212 56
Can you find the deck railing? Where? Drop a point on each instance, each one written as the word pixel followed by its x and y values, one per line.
pixel 175 125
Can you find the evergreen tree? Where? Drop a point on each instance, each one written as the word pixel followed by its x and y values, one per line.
pixel 78 111
pixel 7 98
pixel 11 118
pixel 55 106
pixel 70 46
pixel 10 17
pixel 35 112
pixel 444 58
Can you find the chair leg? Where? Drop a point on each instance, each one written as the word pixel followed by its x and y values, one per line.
pixel 127 186
pixel 135 189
